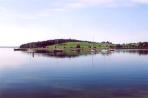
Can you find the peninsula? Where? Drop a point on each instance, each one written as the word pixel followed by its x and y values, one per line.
pixel 77 45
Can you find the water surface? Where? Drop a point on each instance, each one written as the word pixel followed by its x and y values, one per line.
pixel 116 74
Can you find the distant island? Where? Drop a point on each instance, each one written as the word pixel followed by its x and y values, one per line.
pixel 73 43
pixel 74 48
pixel 60 45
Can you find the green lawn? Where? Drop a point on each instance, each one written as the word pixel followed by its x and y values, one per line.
pixel 83 45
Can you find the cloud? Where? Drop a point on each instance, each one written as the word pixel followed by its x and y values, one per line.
pixel 68 5
pixel 145 2
pixel 48 8
pixel 96 2
pixel 108 3
pixel 49 12
pixel 3 11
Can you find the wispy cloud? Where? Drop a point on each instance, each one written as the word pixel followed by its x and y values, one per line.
pixel 108 3
pixel 4 11
pixel 51 8
pixel 96 2
pixel 112 3
pixel 145 2
pixel 66 5
pixel 34 17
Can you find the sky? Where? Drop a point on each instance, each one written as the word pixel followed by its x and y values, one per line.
pixel 118 21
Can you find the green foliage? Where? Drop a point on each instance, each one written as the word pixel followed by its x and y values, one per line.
pixel 82 45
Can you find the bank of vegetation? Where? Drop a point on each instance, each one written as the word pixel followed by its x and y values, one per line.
pixel 72 43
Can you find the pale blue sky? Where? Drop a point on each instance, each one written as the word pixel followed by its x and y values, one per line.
pixel 118 21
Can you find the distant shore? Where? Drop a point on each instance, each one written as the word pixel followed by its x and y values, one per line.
pixel 65 44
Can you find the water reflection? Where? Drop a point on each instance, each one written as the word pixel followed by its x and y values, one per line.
pixel 73 54
pixel 105 74
pixel 10 59
pixel 64 54
pixel 134 51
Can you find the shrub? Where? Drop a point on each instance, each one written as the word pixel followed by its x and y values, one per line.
pixel 78 46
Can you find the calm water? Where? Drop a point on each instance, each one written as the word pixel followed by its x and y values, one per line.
pixel 118 74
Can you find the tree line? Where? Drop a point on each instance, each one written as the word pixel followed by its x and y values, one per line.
pixel 139 45
pixel 44 44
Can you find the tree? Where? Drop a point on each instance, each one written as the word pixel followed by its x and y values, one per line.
pixel 78 46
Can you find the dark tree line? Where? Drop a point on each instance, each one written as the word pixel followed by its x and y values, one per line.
pixel 44 44
pixel 140 45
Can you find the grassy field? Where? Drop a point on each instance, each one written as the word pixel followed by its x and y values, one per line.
pixel 72 49
pixel 83 45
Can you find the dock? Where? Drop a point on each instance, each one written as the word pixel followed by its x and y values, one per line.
pixel 20 49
